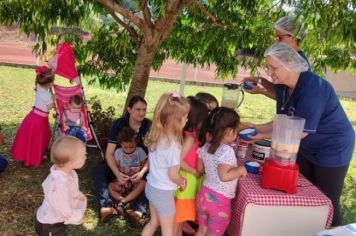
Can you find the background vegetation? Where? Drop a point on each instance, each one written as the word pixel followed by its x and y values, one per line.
pixel 20 186
pixel 129 37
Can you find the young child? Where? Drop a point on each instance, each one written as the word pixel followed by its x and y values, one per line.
pixel 63 203
pixel 194 136
pixel 210 101
pixel 218 160
pixel 164 143
pixel 130 160
pixel 73 118
pixel 34 134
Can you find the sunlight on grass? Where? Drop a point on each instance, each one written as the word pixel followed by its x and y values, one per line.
pixel 20 187
pixel 90 221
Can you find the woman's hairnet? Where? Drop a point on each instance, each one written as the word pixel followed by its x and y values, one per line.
pixel 291 25
pixel 287 57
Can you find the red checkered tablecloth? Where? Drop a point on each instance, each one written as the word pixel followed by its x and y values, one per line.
pixel 249 191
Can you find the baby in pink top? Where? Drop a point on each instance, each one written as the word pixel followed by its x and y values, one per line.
pixel 63 202
pixel 73 118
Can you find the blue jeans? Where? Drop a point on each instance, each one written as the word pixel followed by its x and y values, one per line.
pixel 102 176
pixel 78 132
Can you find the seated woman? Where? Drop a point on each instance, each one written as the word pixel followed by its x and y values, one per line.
pixel 108 171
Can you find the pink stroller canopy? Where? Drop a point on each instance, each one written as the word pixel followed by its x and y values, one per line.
pixel 63 62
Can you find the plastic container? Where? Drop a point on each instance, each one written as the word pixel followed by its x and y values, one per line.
pixel 245 133
pixel 252 166
pixel 247 85
pixel 261 150
pixel 242 150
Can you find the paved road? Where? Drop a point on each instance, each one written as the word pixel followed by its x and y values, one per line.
pixel 17 54
pixel 22 55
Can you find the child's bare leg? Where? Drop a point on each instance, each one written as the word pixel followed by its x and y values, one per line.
pixel 115 192
pixel 202 231
pixel 178 229
pixel 151 227
pixel 167 223
pixel 137 191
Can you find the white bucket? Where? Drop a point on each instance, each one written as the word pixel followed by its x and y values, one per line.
pixel 261 150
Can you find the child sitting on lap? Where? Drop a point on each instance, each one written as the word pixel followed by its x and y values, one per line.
pixel 63 203
pixel 73 118
pixel 130 160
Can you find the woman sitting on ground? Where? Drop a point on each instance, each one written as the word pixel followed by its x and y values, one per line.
pixel 108 171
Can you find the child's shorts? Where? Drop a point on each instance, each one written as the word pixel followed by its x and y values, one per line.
pixel 214 210
pixel 162 200
pixel 58 229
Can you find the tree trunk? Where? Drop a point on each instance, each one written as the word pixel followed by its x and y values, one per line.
pixel 141 73
pixel 152 40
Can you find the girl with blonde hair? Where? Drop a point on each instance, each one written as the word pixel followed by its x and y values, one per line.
pixel 164 142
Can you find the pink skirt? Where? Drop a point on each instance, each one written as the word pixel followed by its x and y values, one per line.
pixel 32 138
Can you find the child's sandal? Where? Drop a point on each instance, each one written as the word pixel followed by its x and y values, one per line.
pixel 120 207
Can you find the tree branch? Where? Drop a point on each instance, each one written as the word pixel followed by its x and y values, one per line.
pixel 172 10
pixel 172 5
pixel 146 13
pixel 113 6
pixel 131 30
pixel 203 9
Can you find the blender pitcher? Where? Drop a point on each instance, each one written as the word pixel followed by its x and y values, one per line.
pixel 231 94
pixel 286 136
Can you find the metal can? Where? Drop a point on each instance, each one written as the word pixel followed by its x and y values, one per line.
pixel 261 150
pixel 242 150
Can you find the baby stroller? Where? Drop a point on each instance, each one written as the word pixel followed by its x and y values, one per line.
pixel 63 64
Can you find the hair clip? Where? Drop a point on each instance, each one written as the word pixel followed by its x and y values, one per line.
pixel 175 94
pixel 41 69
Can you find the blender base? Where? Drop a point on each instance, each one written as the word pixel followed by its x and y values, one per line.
pixel 280 177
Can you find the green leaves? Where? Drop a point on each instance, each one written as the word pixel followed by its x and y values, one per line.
pixel 244 30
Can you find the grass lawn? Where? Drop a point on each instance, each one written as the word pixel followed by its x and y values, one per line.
pixel 20 187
